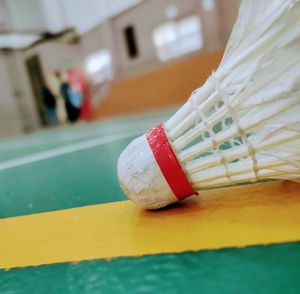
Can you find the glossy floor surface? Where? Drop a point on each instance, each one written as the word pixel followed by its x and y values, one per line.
pixel 74 167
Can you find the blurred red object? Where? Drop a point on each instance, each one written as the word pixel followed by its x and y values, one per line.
pixel 78 80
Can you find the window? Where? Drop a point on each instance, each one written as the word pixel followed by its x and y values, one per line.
pixel 174 39
pixel 130 40
pixel 99 66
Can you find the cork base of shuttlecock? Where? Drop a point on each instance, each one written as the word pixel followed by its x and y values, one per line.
pixel 141 178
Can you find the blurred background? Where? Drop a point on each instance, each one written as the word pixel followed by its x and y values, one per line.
pixel 72 61
pixel 79 80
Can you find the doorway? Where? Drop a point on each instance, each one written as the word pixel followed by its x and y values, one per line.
pixel 37 80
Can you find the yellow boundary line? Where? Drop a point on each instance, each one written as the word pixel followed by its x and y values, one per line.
pixel 230 217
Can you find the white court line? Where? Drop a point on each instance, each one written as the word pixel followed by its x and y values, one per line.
pixel 61 138
pixel 75 134
pixel 65 150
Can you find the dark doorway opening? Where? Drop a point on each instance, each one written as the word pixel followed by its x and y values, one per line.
pixel 37 81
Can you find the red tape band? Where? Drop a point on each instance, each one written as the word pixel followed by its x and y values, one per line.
pixel 168 163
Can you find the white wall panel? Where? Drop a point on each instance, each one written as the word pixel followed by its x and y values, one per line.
pixel 10 123
pixel 26 15
pixel 56 15
pixel 85 15
pixel 4 17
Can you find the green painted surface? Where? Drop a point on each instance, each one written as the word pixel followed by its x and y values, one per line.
pixel 23 150
pixel 51 138
pixel 89 177
pixel 260 269
pixel 76 179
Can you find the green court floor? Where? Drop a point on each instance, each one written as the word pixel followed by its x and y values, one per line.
pixel 75 178
pixel 76 166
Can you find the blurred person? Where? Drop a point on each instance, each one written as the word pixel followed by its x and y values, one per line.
pixel 71 97
pixel 54 85
pixel 50 104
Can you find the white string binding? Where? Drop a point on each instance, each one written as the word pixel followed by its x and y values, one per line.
pixel 224 97
pixel 212 136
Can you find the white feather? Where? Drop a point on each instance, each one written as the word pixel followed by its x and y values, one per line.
pixel 257 93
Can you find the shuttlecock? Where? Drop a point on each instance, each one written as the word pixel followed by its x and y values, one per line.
pixel 243 125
